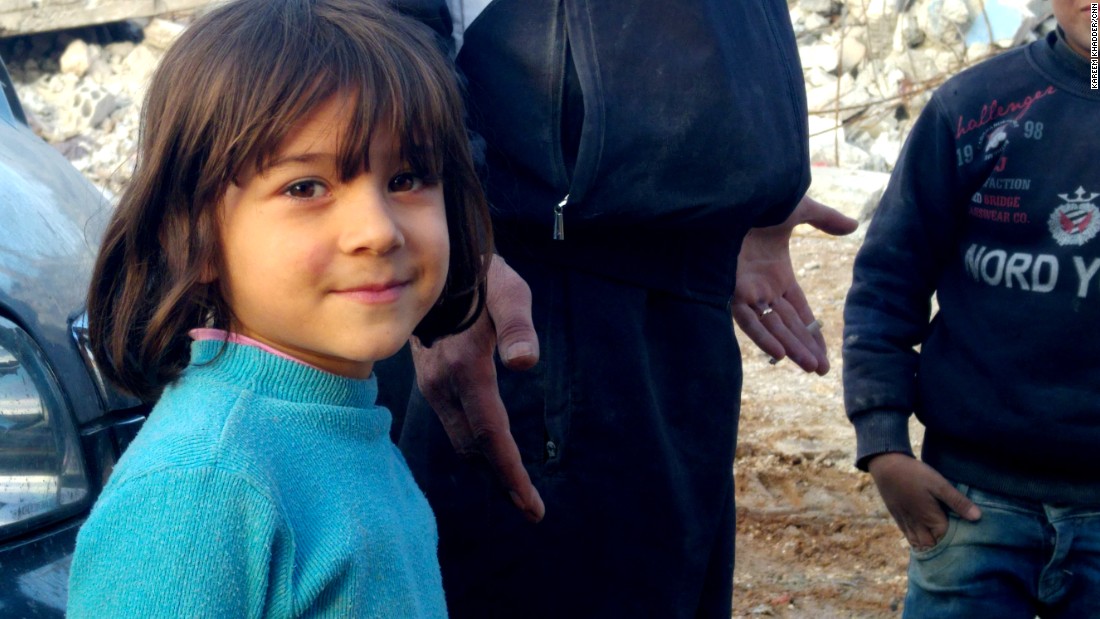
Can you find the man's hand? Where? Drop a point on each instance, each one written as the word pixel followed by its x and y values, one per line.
pixel 768 303
pixel 916 494
pixel 458 378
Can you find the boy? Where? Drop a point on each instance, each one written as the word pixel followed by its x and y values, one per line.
pixel 994 208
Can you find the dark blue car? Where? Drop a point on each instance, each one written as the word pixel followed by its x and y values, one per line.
pixel 61 427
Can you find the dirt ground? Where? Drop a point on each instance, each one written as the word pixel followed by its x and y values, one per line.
pixel 813 538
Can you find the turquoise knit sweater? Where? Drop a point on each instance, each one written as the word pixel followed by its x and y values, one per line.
pixel 259 487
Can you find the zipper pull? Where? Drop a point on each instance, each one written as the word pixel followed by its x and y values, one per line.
pixel 559 220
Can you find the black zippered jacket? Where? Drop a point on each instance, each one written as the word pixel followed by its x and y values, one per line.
pixel 693 130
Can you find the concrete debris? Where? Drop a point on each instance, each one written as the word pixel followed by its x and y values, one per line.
pixel 76 59
pixel 869 66
pixel 851 52
pixel 870 73
pixel 160 33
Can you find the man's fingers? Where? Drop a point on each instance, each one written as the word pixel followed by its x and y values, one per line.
pixel 781 333
pixel 456 427
pixel 786 326
pixel 508 302
pixel 749 322
pixel 454 422
pixel 491 432
pixel 501 451
pixel 438 391
pixel 808 329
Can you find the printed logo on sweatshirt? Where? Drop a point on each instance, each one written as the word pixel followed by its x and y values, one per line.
pixel 995 110
pixel 996 138
pixel 998 208
pixel 1026 271
pixel 994 182
pixel 1022 270
pixel 1077 220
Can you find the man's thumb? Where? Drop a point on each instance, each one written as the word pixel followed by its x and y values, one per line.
pixel 828 219
pixel 509 305
pixel 518 344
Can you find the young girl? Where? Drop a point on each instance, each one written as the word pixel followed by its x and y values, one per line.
pixel 304 182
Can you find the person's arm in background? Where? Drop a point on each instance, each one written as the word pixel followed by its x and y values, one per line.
pixel 886 315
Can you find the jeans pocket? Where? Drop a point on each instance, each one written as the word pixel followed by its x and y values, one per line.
pixel 941 544
pixel 944 542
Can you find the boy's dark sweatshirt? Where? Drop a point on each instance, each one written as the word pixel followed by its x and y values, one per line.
pixel 993 207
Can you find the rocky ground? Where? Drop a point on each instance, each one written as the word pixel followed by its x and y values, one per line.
pixel 813 538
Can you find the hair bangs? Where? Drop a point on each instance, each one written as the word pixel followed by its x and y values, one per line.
pixel 390 89
pixel 392 94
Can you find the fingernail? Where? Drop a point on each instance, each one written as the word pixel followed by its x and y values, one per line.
pixel 517 350
pixel 536 513
pixel 533 513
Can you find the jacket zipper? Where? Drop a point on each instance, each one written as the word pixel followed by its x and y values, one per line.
pixel 559 220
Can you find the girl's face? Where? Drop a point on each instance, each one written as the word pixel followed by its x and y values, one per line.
pixel 336 274
pixel 1073 17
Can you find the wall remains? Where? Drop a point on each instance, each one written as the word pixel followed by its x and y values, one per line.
pixel 29 16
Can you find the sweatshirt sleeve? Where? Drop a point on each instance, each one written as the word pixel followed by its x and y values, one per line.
pixel 177 543
pixel 886 314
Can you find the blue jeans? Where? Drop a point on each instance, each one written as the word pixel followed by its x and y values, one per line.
pixel 1021 560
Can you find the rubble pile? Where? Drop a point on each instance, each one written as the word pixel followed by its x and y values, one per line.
pixel 869 67
pixel 82 91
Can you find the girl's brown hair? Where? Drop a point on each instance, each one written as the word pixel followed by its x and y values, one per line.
pixel 221 102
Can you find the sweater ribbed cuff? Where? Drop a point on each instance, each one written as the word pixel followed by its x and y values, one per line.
pixel 881 431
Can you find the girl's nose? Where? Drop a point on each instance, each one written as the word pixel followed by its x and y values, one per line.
pixel 368 222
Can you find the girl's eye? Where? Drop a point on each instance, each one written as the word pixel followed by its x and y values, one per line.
pixel 304 190
pixel 406 181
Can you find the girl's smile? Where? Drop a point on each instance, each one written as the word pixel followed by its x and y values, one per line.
pixel 334 271
pixel 376 293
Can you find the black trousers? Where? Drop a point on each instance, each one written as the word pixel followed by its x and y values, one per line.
pixel 627 427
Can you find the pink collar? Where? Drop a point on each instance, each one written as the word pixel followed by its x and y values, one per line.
pixel 222 335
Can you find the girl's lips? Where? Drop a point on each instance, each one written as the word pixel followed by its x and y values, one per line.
pixel 375 293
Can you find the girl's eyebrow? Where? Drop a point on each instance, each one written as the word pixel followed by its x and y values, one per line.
pixel 310 157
